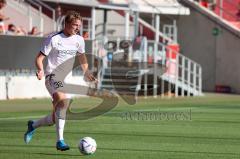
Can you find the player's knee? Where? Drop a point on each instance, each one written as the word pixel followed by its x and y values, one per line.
pixel 58 96
pixel 61 109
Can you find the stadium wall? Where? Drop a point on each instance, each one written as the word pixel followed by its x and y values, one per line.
pixel 3 87
pixel 27 87
pixel 214 46
pixel 19 52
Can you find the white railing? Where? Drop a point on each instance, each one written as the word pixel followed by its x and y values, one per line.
pixel 35 15
pixel 181 71
pixel 86 27
pixel 46 24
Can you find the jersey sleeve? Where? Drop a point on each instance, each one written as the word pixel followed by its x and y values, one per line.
pixel 46 46
pixel 81 48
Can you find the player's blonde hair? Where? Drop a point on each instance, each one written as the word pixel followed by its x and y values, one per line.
pixel 71 16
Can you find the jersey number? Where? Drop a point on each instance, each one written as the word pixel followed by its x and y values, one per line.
pixel 58 84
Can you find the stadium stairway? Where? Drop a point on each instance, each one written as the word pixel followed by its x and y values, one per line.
pixel 119 80
pixel 172 74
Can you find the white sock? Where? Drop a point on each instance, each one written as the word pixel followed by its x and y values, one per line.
pixel 59 128
pixel 45 121
pixel 60 119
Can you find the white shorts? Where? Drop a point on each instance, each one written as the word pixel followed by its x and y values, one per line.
pixel 53 85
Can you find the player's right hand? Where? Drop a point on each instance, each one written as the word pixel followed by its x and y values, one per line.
pixel 39 74
pixel 88 76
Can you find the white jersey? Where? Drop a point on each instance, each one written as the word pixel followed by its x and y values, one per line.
pixel 59 48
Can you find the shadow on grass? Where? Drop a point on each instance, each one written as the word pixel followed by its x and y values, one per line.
pixel 11 150
pixel 137 134
pixel 30 152
pixel 60 154
pixel 168 151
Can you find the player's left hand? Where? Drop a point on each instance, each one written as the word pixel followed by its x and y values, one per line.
pixel 88 76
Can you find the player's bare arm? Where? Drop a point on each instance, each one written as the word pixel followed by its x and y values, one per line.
pixel 87 74
pixel 39 65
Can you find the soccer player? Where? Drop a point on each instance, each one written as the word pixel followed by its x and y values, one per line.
pixel 58 48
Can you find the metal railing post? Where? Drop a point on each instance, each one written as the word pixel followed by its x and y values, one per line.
pixel 155 56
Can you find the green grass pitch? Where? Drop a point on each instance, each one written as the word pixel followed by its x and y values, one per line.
pixel 209 128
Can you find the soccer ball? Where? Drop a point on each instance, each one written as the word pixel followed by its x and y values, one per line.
pixel 87 146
